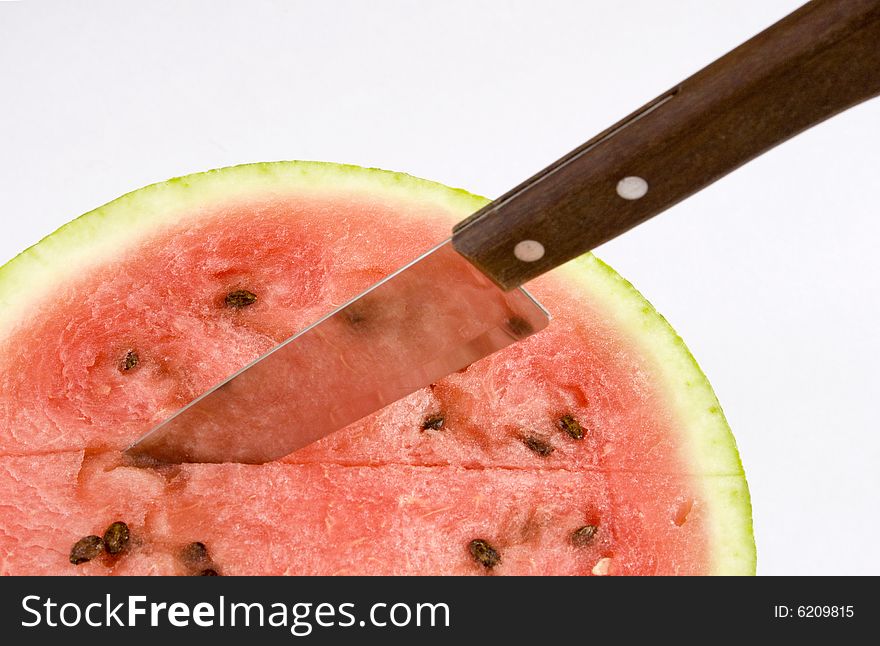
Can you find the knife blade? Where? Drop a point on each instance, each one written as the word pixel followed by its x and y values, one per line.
pixel 400 335
pixel 463 299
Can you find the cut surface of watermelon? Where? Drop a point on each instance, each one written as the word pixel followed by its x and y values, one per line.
pixel 595 447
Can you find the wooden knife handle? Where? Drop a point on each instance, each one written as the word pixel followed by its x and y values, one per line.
pixel 814 63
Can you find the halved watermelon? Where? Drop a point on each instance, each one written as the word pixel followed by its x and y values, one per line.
pixel 594 447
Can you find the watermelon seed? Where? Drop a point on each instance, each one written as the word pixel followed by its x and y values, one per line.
pixel 571 427
pixel 538 445
pixel 116 537
pixel 240 298
pixel 129 361
pixel 583 536
pixel 85 549
pixel 433 423
pixel 195 555
pixel 519 327
pixel 484 554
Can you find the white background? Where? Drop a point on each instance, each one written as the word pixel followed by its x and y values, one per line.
pixel 771 275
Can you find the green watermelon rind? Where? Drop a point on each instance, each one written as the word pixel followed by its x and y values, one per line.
pixel 106 233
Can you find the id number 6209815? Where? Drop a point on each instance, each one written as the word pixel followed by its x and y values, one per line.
pixel 814 612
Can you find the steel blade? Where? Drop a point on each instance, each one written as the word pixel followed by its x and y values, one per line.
pixel 437 315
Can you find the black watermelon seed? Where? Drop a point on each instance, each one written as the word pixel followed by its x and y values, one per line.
pixel 538 445
pixel 583 536
pixel 195 555
pixel 209 572
pixel 129 362
pixel 483 553
pixel 240 298
pixel 116 537
pixel 571 427
pixel 433 422
pixel 85 549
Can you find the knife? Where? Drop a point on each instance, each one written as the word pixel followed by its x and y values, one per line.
pixel 463 299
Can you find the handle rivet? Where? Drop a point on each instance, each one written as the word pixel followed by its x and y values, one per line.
pixel 632 188
pixel 528 250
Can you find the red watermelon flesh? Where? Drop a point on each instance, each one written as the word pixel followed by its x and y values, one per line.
pixel 596 446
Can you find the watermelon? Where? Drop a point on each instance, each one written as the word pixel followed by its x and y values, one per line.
pixel 596 447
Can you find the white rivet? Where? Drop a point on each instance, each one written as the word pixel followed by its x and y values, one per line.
pixel 528 250
pixel 632 188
